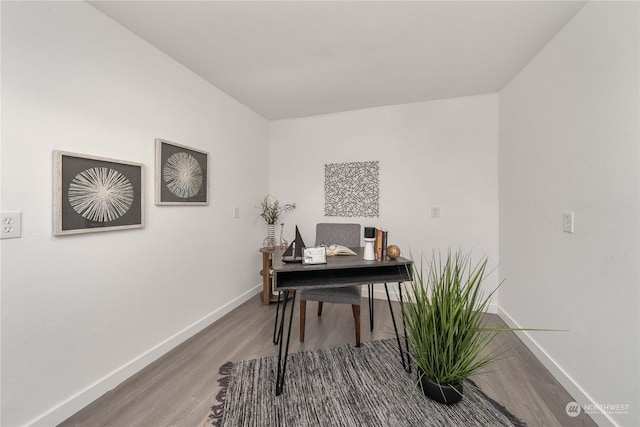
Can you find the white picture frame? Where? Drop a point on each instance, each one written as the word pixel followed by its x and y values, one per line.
pixel 181 175
pixel 94 194
pixel 314 255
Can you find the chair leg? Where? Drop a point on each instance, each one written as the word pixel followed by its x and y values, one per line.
pixel 320 308
pixel 303 315
pixel 356 317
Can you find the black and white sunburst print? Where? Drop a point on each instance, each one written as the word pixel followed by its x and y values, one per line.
pixel 100 194
pixel 183 175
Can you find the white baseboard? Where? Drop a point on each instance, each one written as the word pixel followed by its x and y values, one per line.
pixel 579 395
pixel 75 403
pixel 83 398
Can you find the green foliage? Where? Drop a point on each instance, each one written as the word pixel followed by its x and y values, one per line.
pixel 444 318
pixel 271 209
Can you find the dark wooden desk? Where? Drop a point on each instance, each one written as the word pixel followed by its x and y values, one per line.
pixel 344 270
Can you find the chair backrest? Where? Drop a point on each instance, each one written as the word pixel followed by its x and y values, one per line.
pixel 340 234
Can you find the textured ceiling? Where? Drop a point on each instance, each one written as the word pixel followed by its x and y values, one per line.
pixel 299 58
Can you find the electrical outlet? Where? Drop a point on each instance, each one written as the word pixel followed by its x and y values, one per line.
pixel 567 222
pixel 11 223
pixel 435 211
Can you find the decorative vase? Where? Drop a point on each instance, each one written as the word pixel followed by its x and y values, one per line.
pixel 443 393
pixel 369 251
pixel 270 241
pixel 283 241
pixel 369 241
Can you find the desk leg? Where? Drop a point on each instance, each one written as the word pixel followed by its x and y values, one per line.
pixel 405 364
pixel 370 287
pixel 275 324
pixel 282 363
pixel 404 330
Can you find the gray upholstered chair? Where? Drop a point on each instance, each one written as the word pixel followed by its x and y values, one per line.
pixel 329 234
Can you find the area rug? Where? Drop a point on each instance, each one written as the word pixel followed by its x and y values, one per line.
pixel 343 386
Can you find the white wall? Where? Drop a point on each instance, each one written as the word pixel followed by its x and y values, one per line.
pixel 439 153
pixel 569 141
pixel 82 313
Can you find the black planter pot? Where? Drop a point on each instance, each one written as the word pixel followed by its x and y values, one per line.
pixel 443 393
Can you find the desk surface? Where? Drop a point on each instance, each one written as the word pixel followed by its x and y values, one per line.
pixel 340 270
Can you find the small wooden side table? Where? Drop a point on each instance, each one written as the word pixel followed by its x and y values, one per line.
pixel 267 276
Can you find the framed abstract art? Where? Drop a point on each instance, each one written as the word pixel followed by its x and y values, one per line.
pixel 182 174
pixel 93 194
pixel 352 189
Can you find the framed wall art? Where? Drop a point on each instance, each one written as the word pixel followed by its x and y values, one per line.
pixel 93 194
pixel 352 189
pixel 182 174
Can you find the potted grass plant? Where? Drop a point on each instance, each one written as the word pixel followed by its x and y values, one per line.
pixel 445 324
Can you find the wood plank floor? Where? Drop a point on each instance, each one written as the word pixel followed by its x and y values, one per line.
pixel 179 388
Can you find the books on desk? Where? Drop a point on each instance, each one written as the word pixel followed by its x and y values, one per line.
pixel 380 246
pixel 333 250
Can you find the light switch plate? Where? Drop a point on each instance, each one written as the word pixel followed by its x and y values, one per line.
pixel 567 222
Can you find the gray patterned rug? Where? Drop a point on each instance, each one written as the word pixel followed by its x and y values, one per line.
pixel 343 386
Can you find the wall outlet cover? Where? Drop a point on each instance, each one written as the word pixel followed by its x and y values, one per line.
pixel 11 223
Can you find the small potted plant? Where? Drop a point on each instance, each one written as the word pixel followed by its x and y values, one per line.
pixel 445 325
pixel 271 209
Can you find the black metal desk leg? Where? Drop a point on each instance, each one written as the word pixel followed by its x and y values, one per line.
pixel 404 329
pixel 275 324
pixel 370 286
pixel 406 365
pixel 282 363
